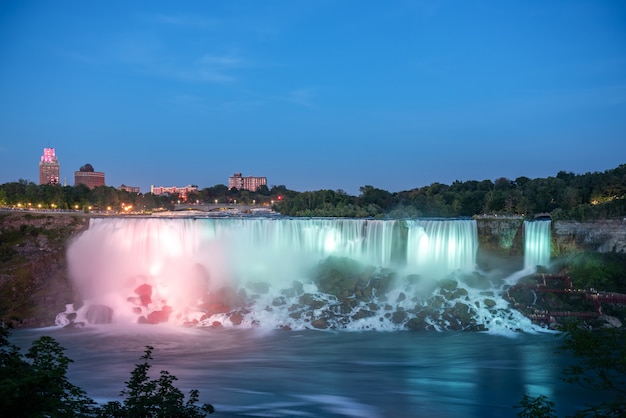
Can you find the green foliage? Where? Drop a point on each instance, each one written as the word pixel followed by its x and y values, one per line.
pixel 539 407
pixel 146 397
pixel 598 270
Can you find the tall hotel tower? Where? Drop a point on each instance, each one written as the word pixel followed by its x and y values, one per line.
pixel 49 168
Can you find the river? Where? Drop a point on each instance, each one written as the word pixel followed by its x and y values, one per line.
pixel 367 374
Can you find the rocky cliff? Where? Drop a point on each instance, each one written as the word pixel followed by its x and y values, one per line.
pixel 33 278
pixel 604 236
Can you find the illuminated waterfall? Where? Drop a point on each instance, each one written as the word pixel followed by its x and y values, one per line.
pixel 536 243
pixel 252 271
pixel 441 247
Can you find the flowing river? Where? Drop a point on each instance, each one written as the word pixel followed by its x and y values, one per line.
pixel 277 373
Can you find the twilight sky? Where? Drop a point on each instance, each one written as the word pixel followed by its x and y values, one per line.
pixel 313 95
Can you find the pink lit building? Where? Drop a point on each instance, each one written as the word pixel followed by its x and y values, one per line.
pixel 49 168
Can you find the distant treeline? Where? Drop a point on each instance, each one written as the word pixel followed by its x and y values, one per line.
pixel 566 196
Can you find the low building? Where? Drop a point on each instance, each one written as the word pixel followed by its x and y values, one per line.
pixel 251 183
pixel 130 189
pixel 89 177
pixel 181 191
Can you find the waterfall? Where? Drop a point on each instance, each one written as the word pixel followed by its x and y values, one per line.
pixel 536 244
pixel 442 246
pixel 266 271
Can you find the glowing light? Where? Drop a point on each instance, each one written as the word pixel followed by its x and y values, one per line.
pixel 155 269
pixel 329 243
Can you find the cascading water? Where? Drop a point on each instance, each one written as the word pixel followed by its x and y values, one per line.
pixel 442 246
pixel 289 273
pixel 536 243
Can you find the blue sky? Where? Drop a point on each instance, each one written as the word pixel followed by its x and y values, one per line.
pixel 313 94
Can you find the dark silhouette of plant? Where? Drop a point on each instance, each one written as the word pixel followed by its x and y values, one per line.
pixel 539 407
pixel 36 385
pixel 146 397
pixel 600 367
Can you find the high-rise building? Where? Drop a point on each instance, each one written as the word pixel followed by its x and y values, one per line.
pixel 248 183
pixel 87 176
pixel 49 168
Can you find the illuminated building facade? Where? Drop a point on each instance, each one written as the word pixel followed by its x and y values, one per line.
pixel 248 183
pixel 49 168
pixel 182 191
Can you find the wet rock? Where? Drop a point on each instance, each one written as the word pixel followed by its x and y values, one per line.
pixel 145 294
pixel 308 299
pixel 448 284
pixel 489 303
pixel 437 302
pixel 415 324
pixel 362 313
pixel 399 317
pixel 319 324
pixel 156 317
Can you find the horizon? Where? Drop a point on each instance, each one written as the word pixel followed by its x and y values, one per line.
pixel 200 187
pixel 313 95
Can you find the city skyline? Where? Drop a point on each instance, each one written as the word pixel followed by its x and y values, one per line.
pixel 313 95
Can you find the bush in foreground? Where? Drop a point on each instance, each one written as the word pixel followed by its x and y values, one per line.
pixel 36 385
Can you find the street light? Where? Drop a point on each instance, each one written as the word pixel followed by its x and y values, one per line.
pixel 216 201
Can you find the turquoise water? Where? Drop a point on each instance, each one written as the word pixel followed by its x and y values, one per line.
pixel 257 373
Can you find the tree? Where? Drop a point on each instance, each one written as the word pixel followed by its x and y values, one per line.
pixel 600 366
pixel 36 384
pixel 146 397
pixel 539 407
